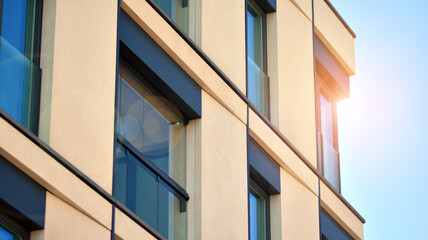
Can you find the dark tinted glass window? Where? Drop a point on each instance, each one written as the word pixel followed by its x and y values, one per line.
pixel 19 71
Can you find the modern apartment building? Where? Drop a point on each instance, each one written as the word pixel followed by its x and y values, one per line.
pixel 173 119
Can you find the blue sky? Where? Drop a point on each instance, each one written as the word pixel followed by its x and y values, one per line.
pixel 383 127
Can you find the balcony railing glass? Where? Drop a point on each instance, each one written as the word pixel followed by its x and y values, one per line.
pixel 182 12
pixel 146 194
pixel 331 164
pixel 258 87
pixel 19 86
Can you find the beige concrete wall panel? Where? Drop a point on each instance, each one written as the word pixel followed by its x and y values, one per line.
pixel 296 80
pixel 169 40
pixel 224 184
pixel 223 37
pixel 127 229
pixel 50 174
pixel 300 213
pixel 83 87
pixel 282 154
pixel 305 6
pixel 334 35
pixel 66 223
pixel 341 213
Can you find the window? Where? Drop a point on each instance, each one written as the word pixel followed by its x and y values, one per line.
pixel 150 155
pixel 178 11
pixel 328 138
pixel 259 213
pixel 19 65
pixel 257 80
pixel 10 230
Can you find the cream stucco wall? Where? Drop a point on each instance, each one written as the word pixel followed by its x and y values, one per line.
pixel 83 63
pixel 223 37
pixel 295 87
pixel 305 7
pixel 223 170
pixel 66 223
pixel 334 36
pixel 300 213
pixel 127 229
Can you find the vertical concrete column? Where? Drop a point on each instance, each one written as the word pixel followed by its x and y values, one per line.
pixel 223 37
pixel 79 64
pixel 223 172
pixel 296 97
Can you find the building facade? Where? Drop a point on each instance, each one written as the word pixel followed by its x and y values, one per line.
pixel 173 119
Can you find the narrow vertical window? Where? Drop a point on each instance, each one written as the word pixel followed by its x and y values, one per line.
pixel 259 212
pixel 330 153
pixel 257 80
pixel 150 155
pixel 19 66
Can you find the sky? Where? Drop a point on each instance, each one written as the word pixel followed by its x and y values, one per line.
pixel 383 126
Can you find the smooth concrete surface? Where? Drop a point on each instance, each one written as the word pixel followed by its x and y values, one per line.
pixel 296 80
pixel 305 6
pixel 169 40
pixel 282 154
pixel 51 175
pixel 340 213
pixel 127 229
pixel 66 223
pixel 223 37
pixel 83 86
pixel 334 35
pixel 300 213
pixel 224 186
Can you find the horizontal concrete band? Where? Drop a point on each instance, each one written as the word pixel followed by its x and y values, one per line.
pixel 244 98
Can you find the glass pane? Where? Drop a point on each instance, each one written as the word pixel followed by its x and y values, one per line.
pixel 331 164
pixel 258 87
pixel 254 36
pixel 178 11
pixel 19 84
pixel 6 234
pixel 148 196
pixel 152 125
pixel 19 77
pixel 257 215
pixel 326 119
pixel 13 23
